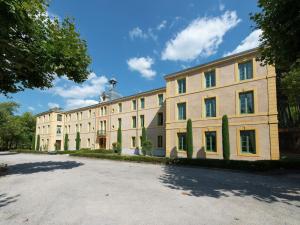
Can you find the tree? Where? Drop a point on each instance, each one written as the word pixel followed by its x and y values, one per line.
pixel 37 147
pixel 33 143
pixel 189 135
pixel 225 138
pixel 147 147
pixel 78 140
pixel 119 141
pixel 66 143
pixel 280 46
pixel 144 139
pixel 35 48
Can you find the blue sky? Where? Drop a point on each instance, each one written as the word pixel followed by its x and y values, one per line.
pixel 138 42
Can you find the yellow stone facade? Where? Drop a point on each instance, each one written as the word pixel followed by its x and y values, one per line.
pixel 98 123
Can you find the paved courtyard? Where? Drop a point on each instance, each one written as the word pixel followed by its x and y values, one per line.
pixel 64 190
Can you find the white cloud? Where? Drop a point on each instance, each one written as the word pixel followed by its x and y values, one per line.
pixel 251 41
pixel 77 103
pixel 162 25
pixel 80 95
pixel 30 108
pixel 137 33
pixel 90 88
pixel 143 66
pixel 53 105
pixel 201 37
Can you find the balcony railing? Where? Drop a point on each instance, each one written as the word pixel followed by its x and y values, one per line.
pixel 101 133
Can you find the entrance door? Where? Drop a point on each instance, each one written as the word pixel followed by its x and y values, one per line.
pixel 58 145
pixel 102 143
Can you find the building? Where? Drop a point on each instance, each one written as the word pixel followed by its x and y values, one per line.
pixel 237 86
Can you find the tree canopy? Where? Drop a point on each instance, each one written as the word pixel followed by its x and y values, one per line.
pixel 17 131
pixel 35 48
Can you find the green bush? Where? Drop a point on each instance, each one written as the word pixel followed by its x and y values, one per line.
pixel 225 138
pixel 37 147
pixel 33 142
pixel 77 141
pixel 66 142
pixel 119 141
pixel 147 147
pixel 189 137
pixel 144 139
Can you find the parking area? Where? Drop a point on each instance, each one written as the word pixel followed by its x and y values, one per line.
pixel 59 189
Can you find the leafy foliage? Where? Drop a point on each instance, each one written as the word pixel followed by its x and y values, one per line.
pixel 225 138
pixel 119 141
pixel 144 139
pixel 37 148
pixel 189 136
pixel 34 48
pixel 78 141
pixel 17 131
pixel 66 142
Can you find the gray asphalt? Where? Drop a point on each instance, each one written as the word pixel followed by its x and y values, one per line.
pixel 64 190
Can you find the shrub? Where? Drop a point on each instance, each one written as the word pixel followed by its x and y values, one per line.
pixel 189 137
pixel 77 141
pixel 119 141
pixel 144 139
pixel 66 144
pixel 33 142
pixel 225 138
pixel 37 147
pixel 147 147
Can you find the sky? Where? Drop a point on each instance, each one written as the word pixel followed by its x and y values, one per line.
pixel 138 42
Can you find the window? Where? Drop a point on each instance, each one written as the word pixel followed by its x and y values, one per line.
pixel 76 128
pixel 210 107
pixel 210 79
pixel 77 116
pixel 247 138
pixel 160 99
pixel 142 100
pixel 105 110
pixel 246 102
pixel 119 122
pixel 181 86
pixel 120 107
pixel 59 117
pixel 181 141
pixel 160 119
pixel 58 129
pixel 211 141
pixel 81 115
pixel 133 142
pixel 181 111
pixel 48 130
pixel 134 122
pixel 134 104
pixel 89 127
pixel 90 113
pixel 104 125
pixel 142 118
pixel 159 141
pixel 246 70
pixel 141 141
pixel 101 111
pixel 88 142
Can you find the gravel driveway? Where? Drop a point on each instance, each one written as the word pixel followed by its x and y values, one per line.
pixel 64 190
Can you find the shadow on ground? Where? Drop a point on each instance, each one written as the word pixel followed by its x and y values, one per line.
pixel 36 167
pixel 5 200
pixel 217 183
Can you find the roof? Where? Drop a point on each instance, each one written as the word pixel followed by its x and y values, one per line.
pixel 212 63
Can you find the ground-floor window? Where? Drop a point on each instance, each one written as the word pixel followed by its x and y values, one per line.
pixel 248 143
pixel 133 142
pixel 181 141
pixel 211 141
pixel 159 141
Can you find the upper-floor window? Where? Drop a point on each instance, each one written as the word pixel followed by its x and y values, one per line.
pixel 246 70
pixel 211 141
pixel 134 104
pixel 58 129
pixel 59 117
pixel 89 127
pixel 246 102
pixel 181 108
pixel 105 110
pixel 90 113
pixel 119 122
pixel 160 119
pixel 120 107
pixel 181 85
pixel 142 119
pixel 248 143
pixel 133 121
pixel 160 99
pixel 210 79
pixel 210 107
pixel 142 100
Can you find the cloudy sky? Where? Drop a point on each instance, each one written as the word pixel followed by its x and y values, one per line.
pixel 138 42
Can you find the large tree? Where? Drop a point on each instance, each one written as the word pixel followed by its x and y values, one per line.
pixel 35 48
pixel 280 46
